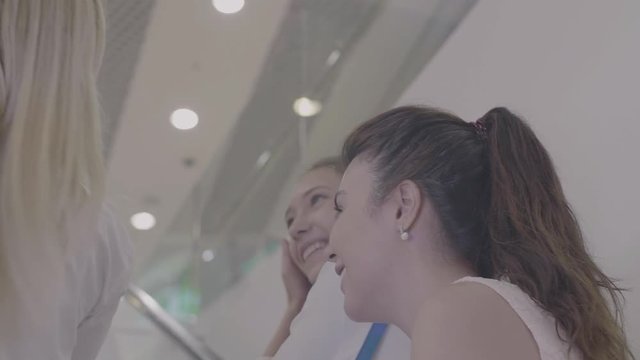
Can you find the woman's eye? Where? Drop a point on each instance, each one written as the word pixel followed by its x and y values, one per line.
pixel 316 198
pixel 289 222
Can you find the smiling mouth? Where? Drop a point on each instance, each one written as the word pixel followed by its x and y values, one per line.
pixel 312 248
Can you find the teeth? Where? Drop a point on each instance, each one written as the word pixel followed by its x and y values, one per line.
pixel 312 248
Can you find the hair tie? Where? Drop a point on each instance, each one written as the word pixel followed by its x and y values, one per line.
pixel 480 127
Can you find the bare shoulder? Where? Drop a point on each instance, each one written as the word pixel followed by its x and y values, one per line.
pixel 471 321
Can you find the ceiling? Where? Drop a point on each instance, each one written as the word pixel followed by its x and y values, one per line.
pixel 192 56
pixel 126 27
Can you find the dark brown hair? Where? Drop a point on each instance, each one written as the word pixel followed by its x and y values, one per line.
pixel 501 204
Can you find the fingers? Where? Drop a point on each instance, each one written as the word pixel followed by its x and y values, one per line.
pixel 288 262
pixel 286 250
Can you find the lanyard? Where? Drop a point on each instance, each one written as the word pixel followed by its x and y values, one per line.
pixel 372 341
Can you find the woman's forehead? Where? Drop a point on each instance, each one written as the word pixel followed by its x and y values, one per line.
pixel 357 175
pixel 318 177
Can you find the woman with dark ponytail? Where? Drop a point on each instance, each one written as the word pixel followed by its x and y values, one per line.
pixel 460 234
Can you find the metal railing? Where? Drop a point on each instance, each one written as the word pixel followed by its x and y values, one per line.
pixel 150 308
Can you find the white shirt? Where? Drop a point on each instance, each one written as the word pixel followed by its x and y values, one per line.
pixel 68 320
pixel 322 330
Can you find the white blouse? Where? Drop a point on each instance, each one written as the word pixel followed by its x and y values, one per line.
pixel 68 320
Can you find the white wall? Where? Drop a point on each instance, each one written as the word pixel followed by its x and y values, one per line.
pixel 572 68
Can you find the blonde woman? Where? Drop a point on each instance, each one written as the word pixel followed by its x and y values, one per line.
pixel 63 261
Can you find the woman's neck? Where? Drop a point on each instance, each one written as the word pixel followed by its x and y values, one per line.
pixel 423 278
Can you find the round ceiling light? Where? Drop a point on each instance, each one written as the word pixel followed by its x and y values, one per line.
pixel 143 221
pixel 184 119
pixel 306 107
pixel 228 6
pixel 208 255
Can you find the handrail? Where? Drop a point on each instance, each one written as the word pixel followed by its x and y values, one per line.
pixel 150 308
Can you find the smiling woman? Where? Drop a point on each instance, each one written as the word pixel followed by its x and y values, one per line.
pixel 309 218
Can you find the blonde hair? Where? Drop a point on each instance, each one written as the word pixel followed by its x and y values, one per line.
pixel 51 161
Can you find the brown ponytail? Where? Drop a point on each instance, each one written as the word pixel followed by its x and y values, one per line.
pixel 537 243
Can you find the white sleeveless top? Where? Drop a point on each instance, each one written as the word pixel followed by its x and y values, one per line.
pixel 540 323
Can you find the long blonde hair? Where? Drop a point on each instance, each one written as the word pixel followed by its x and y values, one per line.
pixel 51 161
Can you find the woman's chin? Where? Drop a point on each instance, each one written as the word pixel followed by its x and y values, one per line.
pixel 353 310
pixel 313 270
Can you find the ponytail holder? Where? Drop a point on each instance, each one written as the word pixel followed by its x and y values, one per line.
pixel 480 127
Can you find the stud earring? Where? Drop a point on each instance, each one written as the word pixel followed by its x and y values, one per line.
pixel 404 235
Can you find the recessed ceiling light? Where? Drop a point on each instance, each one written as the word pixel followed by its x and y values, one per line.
pixel 208 255
pixel 306 107
pixel 143 221
pixel 184 119
pixel 228 6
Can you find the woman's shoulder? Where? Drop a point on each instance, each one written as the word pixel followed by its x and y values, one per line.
pixel 459 302
pixel 471 320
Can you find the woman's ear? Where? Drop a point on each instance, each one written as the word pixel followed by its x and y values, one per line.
pixel 407 199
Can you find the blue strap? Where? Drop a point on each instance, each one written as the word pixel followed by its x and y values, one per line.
pixel 372 341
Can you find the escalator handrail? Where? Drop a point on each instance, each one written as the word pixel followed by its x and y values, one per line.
pixel 150 308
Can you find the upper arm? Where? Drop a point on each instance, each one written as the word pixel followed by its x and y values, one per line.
pixel 471 321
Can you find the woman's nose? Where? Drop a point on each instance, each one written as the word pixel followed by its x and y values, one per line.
pixel 298 228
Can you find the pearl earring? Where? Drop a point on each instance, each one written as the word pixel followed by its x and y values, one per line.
pixel 404 235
